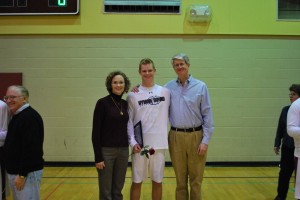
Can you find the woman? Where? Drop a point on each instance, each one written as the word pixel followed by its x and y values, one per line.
pixel 109 136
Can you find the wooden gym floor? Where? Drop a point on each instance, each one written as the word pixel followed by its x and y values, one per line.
pixel 226 183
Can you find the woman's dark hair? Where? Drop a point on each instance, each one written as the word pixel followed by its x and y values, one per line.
pixel 110 77
pixel 295 88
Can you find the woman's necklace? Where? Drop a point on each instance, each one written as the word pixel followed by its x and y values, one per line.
pixel 121 113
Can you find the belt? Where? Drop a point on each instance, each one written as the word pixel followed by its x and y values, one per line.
pixel 186 129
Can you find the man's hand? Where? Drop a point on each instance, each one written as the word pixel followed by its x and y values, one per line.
pixel 202 149
pixel 135 89
pixel 276 150
pixel 20 182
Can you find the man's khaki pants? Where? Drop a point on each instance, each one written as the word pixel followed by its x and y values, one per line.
pixel 187 164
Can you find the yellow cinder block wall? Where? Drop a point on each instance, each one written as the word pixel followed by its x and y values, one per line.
pixel 248 80
pixel 247 58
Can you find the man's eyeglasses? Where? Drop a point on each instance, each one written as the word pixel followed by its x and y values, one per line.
pixel 179 65
pixel 6 98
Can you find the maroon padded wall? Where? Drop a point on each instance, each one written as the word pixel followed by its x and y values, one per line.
pixel 8 79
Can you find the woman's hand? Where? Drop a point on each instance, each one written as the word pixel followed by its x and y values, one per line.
pixel 100 165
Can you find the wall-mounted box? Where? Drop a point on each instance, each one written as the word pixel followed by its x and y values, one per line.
pixel 199 13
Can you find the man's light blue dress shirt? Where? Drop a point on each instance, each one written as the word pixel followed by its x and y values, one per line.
pixel 190 106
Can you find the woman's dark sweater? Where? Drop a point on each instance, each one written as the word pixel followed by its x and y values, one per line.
pixel 109 126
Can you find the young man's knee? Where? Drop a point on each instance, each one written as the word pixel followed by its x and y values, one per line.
pixel 155 182
pixel 137 185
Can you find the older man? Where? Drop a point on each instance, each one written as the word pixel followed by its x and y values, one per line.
pixel 191 128
pixel 23 148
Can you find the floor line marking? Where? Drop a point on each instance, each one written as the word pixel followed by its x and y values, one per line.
pixel 55 189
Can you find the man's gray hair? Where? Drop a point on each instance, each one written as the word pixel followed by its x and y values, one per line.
pixel 181 56
pixel 22 89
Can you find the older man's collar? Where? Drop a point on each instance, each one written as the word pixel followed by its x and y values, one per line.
pixel 22 108
pixel 187 81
